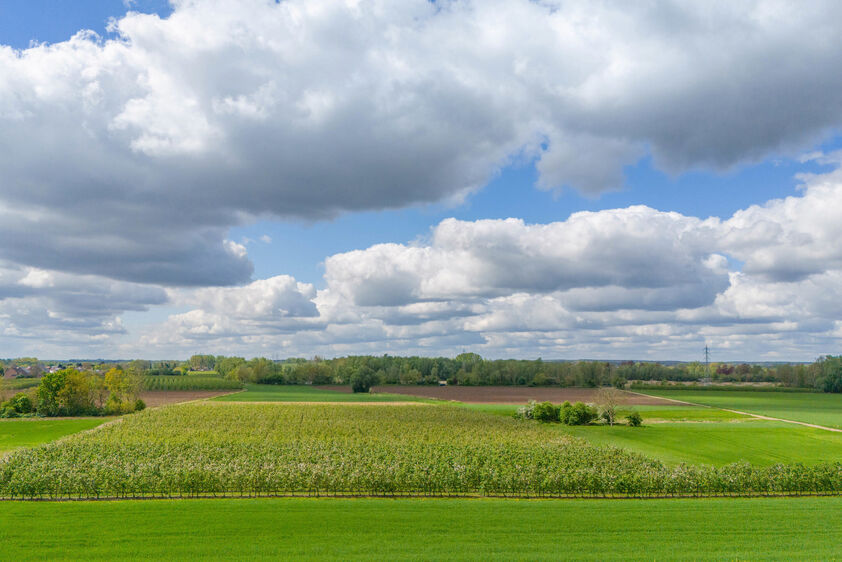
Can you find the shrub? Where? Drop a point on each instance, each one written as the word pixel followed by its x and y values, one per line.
pixel 526 412
pixel 545 412
pixel 577 414
pixel 139 405
pixel 634 419
pixel 8 411
pixel 22 403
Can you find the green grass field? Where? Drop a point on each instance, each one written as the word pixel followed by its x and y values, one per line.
pixel 365 529
pixel 757 442
pixel 30 432
pixel 306 393
pixel 817 408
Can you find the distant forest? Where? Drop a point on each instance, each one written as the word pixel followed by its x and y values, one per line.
pixel 470 369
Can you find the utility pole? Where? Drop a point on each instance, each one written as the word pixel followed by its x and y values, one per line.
pixel 707 364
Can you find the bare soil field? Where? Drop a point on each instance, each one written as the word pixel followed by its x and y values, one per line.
pixel 507 394
pixel 155 398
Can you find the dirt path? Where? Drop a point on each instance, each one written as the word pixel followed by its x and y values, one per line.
pixel 756 416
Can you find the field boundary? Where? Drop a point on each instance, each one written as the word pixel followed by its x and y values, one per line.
pixel 420 496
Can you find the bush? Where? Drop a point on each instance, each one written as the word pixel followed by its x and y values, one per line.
pixel 8 411
pixel 526 412
pixel 634 419
pixel 577 414
pixel 363 379
pixel 139 405
pixel 22 403
pixel 545 412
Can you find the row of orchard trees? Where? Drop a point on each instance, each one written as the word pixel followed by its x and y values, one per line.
pixel 70 392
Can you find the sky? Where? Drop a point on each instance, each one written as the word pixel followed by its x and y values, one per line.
pixel 551 179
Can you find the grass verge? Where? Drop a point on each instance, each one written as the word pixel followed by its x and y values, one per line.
pixel 762 528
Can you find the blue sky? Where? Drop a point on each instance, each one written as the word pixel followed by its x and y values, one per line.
pixel 233 232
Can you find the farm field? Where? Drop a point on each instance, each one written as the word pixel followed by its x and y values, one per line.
pixel 156 398
pixel 516 395
pixel 307 393
pixel 817 408
pixel 417 529
pixel 213 448
pixel 30 432
pixel 196 381
pixel 757 442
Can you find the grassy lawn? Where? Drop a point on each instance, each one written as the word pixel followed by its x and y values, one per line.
pixel 818 408
pixel 757 442
pixel 29 432
pixel 347 529
pixel 305 393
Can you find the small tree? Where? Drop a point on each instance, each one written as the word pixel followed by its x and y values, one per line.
pixel 608 397
pixel 47 395
pixel 363 379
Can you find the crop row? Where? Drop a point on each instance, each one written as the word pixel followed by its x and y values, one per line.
pixel 191 382
pixel 217 449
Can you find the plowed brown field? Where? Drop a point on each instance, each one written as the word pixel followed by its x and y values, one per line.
pixel 507 394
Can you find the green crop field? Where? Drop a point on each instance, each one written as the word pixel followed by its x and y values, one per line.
pixel 306 393
pixel 232 449
pixel 30 432
pixel 417 529
pixel 817 408
pixel 190 382
pixel 757 442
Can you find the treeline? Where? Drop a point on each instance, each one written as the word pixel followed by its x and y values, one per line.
pixel 470 369
pixel 70 392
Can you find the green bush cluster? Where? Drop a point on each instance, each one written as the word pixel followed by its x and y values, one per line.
pixel 19 405
pixel 568 414
pixel 634 419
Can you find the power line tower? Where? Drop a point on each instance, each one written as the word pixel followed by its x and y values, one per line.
pixel 707 365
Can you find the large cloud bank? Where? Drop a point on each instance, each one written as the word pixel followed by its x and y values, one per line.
pixel 131 156
pixel 125 160
pixel 632 282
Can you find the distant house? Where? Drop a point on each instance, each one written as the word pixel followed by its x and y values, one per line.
pixel 13 371
pixel 442 383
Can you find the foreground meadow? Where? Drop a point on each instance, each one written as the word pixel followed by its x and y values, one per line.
pixel 418 529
